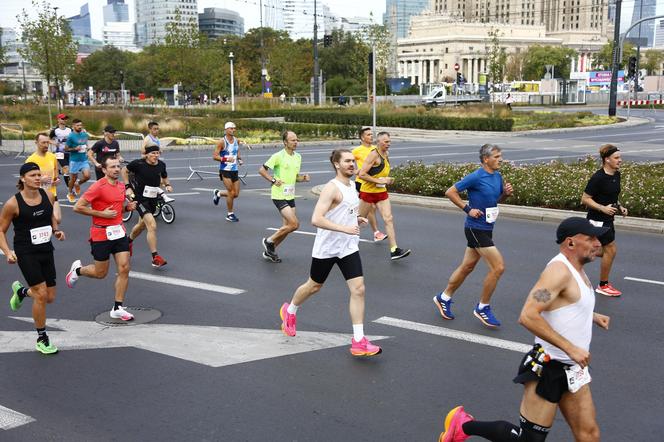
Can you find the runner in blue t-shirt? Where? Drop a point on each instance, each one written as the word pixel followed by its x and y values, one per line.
pixel 485 188
pixel 227 152
pixel 77 146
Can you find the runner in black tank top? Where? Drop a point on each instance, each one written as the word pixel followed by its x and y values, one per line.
pixel 31 212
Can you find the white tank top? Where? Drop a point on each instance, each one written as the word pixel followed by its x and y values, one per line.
pixel 574 321
pixel 331 244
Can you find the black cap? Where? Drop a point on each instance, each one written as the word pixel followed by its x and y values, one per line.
pixel 109 128
pixel 575 225
pixel 28 167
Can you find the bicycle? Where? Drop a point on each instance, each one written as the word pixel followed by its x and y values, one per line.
pixel 163 208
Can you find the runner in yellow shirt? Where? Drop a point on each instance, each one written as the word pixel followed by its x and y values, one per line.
pixel 360 153
pixel 48 166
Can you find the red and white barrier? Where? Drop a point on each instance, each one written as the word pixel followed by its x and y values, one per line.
pixel 639 102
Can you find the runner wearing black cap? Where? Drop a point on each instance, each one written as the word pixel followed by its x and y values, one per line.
pixel 107 146
pixel 31 212
pixel 554 373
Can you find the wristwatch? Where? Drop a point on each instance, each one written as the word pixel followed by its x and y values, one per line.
pixel 274 180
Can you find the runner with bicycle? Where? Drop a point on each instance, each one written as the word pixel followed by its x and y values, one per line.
pixel 149 174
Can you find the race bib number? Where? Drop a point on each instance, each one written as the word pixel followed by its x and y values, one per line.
pixel 354 211
pixel 41 235
pixel 577 377
pixel 59 155
pixel 82 148
pixel 150 192
pixel 596 223
pixel 380 185
pixel 491 214
pixel 289 190
pixel 115 232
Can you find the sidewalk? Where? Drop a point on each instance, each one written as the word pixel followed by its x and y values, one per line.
pixel 645 225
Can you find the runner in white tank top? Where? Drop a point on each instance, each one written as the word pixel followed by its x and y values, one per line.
pixel 559 312
pixel 336 217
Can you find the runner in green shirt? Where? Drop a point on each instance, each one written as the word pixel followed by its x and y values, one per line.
pixel 285 165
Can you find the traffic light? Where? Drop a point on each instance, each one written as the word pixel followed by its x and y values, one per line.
pixel 371 62
pixel 631 67
pixel 458 79
pixel 327 41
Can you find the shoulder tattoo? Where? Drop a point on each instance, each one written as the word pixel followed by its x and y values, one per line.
pixel 542 295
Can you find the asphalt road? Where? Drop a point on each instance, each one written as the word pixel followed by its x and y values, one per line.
pixel 215 366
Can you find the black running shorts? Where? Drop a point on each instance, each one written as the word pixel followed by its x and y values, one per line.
pixel 478 238
pixel 350 266
pixel 146 206
pixel 102 250
pixel 37 268
pixel 230 174
pixel 551 385
pixel 280 204
pixel 609 236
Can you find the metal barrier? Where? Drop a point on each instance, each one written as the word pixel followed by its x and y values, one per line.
pixel 130 141
pixel 12 144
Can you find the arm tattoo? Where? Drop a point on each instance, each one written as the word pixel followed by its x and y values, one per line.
pixel 542 295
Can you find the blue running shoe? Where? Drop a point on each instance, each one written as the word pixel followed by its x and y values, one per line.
pixel 445 307
pixel 215 197
pixel 232 218
pixel 486 316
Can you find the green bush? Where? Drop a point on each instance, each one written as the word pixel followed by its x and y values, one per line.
pixel 205 128
pixel 555 184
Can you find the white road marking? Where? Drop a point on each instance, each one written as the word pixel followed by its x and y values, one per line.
pixel 11 419
pixel 455 334
pixel 209 189
pixel 301 232
pixel 186 283
pixel 208 345
pixel 649 281
pixel 183 194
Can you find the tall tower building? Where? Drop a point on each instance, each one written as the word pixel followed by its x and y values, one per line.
pixel 116 11
pixel 152 16
pixel 643 34
pixel 216 22
pixel 398 13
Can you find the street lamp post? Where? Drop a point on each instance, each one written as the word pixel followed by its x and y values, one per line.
pixel 230 57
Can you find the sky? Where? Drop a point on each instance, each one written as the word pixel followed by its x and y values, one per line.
pixel 249 9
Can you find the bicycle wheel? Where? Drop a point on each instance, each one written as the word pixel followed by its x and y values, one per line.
pixel 126 216
pixel 167 213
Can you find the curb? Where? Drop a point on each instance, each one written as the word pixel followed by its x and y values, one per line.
pixel 644 225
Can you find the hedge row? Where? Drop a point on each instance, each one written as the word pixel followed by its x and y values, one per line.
pixel 556 184
pixel 204 128
pixel 415 121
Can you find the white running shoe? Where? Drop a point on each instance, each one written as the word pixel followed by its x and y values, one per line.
pixel 121 313
pixel 72 277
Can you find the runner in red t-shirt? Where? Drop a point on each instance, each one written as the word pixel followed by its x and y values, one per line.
pixel 104 202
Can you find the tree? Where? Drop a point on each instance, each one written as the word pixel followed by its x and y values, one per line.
pixel 181 52
pixel 102 69
pixel 346 57
pixel 48 44
pixel 3 50
pixel 537 57
pixel 514 66
pixel 604 57
pixel 653 62
pixel 496 57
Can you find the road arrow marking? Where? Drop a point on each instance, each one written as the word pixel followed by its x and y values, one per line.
pixel 11 419
pixel 649 281
pixel 186 283
pixel 455 334
pixel 207 345
pixel 302 232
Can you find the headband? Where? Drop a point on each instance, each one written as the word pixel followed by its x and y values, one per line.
pixel 152 148
pixel 28 167
pixel 610 152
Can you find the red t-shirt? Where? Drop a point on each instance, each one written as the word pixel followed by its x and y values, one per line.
pixel 102 195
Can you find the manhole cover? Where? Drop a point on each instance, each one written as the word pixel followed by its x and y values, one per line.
pixel 142 315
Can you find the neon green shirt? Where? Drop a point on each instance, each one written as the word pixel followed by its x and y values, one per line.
pixel 286 168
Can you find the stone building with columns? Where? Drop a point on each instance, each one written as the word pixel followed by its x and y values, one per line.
pixel 457 31
pixel 436 43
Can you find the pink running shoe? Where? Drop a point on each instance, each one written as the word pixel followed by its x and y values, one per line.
pixel 608 290
pixel 288 320
pixel 364 348
pixel 453 425
pixel 379 236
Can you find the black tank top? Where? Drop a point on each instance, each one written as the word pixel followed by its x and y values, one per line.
pixel 31 217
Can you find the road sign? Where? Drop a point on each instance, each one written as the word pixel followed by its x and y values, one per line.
pixel 456 66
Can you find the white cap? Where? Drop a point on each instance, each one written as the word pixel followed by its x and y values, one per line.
pixel 229 125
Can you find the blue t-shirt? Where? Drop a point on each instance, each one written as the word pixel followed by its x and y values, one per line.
pixel 230 149
pixel 78 139
pixel 484 190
